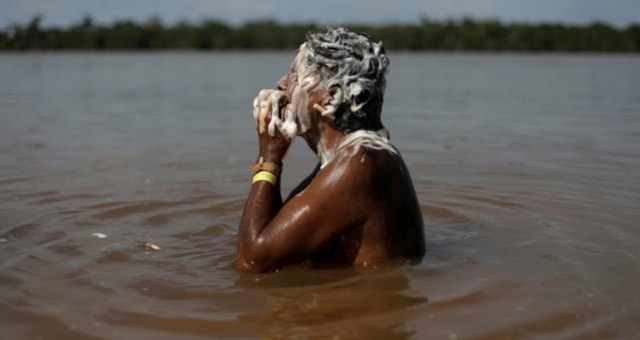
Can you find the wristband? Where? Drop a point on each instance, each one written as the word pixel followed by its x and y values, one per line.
pixel 264 176
pixel 265 166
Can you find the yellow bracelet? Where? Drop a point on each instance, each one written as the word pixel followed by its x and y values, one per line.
pixel 265 176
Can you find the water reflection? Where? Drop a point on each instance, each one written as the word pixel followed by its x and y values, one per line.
pixel 326 304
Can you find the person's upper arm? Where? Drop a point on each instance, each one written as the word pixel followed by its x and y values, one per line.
pixel 334 201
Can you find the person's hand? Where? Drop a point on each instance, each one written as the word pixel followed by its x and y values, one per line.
pixel 273 124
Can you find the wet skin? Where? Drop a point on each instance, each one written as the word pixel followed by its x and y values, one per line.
pixel 359 209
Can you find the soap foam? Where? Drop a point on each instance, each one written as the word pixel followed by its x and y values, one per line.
pixel 373 140
pixel 282 119
pixel 353 68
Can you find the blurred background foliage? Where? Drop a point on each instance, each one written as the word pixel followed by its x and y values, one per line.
pixel 451 35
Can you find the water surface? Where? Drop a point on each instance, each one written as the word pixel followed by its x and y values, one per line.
pixel 123 177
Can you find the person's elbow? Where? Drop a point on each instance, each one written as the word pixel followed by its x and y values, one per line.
pixel 251 267
pixel 253 259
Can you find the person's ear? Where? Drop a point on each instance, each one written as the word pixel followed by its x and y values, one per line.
pixel 335 96
pixel 331 101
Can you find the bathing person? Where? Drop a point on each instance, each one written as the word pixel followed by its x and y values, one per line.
pixel 358 206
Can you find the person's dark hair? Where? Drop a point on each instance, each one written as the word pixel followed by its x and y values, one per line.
pixel 352 66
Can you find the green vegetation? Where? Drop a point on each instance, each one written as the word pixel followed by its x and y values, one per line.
pixel 451 35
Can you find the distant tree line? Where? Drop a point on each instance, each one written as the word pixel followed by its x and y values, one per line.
pixel 451 35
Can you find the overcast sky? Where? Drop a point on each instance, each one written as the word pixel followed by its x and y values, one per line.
pixel 64 12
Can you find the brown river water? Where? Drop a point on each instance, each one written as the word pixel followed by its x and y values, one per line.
pixel 123 177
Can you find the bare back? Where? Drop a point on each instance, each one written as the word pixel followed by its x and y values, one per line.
pixel 381 190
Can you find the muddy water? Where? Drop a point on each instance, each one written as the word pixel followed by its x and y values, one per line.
pixel 123 177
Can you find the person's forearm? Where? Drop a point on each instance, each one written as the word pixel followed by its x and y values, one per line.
pixel 263 204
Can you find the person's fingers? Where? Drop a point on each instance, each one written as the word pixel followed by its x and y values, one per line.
pixel 264 109
pixel 268 111
pixel 275 120
pixel 256 109
pixel 261 108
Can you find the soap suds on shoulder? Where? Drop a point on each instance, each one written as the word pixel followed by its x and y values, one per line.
pixel 373 140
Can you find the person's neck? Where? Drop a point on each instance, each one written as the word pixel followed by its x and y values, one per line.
pixel 326 142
